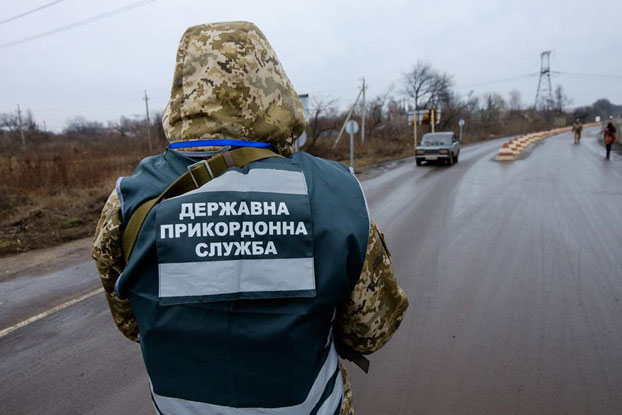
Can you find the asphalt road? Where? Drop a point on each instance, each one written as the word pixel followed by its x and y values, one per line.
pixel 514 271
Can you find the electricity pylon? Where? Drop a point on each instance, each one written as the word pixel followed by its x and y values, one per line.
pixel 544 95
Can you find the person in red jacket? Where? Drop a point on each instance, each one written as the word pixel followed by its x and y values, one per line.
pixel 610 137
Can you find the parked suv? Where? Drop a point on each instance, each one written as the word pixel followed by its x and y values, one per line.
pixel 438 146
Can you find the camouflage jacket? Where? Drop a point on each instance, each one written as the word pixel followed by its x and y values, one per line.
pixel 364 323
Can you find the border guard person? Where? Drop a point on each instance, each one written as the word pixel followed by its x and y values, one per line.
pixel 243 269
pixel 577 128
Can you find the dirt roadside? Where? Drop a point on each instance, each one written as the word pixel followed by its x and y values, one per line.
pixel 35 259
pixel 46 260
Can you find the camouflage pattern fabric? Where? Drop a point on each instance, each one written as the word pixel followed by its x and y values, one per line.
pixel 346 404
pixel 229 83
pixel 377 304
pixel 108 256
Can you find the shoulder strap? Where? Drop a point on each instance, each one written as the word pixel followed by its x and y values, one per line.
pixel 197 175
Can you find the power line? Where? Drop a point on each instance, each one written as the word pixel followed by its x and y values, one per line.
pixel 10 19
pixel 501 80
pixel 591 75
pixel 78 23
pixel 329 91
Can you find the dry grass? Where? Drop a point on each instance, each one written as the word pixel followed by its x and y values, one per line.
pixel 54 192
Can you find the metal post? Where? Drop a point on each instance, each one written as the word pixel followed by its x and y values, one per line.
pixel 460 132
pixel 432 118
pixel 363 115
pixel 352 150
pixel 21 127
pixel 343 127
pixel 415 127
pixel 146 98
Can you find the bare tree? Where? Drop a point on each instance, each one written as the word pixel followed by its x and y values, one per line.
pixel 323 117
pixel 427 87
pixel 515 102
pixel 395 107
pixel 456 107
pixel 494 107
pixel 471 102
pixel 375 111
pixel 81 126
pixel 561 99
pixel 418 83
pixel 441 91
pixel 10 121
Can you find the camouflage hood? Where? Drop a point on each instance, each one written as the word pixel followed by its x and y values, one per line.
pixel 229 83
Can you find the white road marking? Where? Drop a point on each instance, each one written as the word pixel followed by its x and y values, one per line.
pixel 46 313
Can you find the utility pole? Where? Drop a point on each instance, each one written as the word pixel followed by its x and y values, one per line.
pixel 45 129
pixel 21 127
pixel 146 98
pixel 343 127
pixel 363 115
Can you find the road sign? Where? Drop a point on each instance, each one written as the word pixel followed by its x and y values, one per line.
pixel 302 139
pixel 424 117
pixel 461 124
pixel 352 127
pixel 304 98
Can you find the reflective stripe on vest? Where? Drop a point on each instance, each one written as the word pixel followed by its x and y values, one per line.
pixel 257 180
pixel 324 398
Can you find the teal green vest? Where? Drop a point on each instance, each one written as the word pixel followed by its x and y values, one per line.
pixel 235 285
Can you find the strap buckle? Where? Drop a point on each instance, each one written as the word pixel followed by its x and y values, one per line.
pixel 198 164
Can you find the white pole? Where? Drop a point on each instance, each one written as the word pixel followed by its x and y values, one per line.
pixel 146 98
pixel 21 127
pixel 343 127
pixel 363 115
pixel 352 150
pixel 415 127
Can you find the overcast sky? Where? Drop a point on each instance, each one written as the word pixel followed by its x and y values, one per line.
pixel 100 70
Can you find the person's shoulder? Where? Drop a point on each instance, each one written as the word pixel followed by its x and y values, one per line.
pixel 149 162
pixel 150 170
pixel 321 164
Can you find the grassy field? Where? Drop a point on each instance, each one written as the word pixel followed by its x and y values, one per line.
pixel 54 191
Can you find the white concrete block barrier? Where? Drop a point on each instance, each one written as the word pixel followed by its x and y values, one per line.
pixel 514 146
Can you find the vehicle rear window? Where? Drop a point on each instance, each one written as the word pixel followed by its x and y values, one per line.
pixel 438 139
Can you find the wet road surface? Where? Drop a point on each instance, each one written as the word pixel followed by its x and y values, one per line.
pixel 514 271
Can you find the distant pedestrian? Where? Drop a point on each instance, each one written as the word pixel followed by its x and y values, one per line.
pixel 577 127
pixel 610 137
